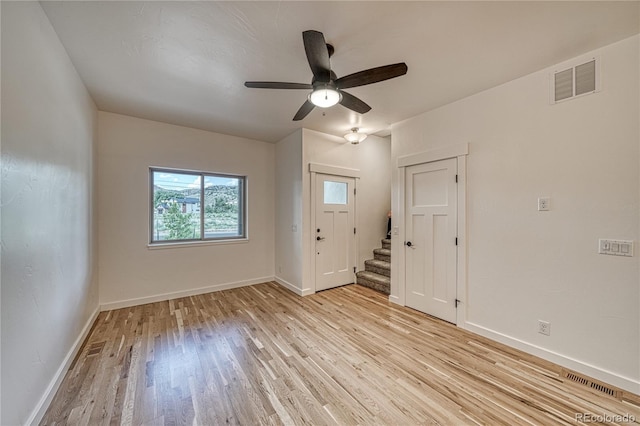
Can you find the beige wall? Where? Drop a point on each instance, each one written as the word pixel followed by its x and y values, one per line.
pixel 49 290
pixel 129 271
pixel 525 265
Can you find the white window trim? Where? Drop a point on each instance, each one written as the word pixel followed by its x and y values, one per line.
pixel 165 244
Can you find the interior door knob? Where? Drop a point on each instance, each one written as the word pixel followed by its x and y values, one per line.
pixel 318 238
pixel 408 244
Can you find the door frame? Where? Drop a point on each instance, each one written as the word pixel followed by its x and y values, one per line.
pixel 459 152
pixel 326 169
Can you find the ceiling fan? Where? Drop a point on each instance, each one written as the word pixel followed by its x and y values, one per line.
pixel 327 89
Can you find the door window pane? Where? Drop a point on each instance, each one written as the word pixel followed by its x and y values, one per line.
pixel 335 192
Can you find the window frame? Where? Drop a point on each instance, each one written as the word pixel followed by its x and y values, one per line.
pixel 242 206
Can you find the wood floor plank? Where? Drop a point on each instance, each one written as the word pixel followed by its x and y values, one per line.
pixel 346 356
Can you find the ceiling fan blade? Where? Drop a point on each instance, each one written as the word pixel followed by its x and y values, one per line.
pixel 304 110
pixel 372 75
pixel 276 85
pixel 353 103
pixel 317 55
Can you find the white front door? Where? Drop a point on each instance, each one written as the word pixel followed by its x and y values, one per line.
pixel 334 231
pixel 431 231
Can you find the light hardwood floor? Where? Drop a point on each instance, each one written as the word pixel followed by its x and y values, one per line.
pixel 262 355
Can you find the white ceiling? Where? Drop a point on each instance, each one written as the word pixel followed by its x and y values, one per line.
pixel 185 62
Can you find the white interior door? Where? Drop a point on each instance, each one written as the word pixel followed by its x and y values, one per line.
pixel 431 231
pixel 334 231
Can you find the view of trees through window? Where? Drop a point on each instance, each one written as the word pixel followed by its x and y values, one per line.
pixel 196 206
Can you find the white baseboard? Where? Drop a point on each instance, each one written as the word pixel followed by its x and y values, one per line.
pixel 614 379
pixel 183 293
pixel 286 284
pixel 38 412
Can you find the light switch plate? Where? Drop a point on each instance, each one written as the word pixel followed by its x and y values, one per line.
pixel 615 247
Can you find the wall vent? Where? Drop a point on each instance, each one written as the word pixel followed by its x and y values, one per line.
pixel 580 79
pixel 585 381
pixel 563 85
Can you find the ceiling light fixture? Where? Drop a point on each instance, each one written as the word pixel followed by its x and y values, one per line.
pixel 325 96
pixel 355 137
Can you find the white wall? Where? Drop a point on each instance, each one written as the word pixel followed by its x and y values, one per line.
pixel 49 292
pixel 294 250
pixel 372 157
pixel 525 265
pixel 288 220
pixel 132 273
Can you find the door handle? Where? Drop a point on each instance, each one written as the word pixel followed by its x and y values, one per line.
pixel 319 238
pixel 408 244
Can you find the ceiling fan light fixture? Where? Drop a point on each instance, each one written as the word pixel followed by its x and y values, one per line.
pixel 325 97
pixel 355 137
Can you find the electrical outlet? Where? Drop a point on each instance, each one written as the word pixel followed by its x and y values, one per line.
pixel 544 327
pixel 543 204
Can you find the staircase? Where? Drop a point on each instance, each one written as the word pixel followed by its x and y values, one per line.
pixel 377 271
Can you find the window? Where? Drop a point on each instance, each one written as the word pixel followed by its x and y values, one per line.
pixel 196 206
pixel 335 192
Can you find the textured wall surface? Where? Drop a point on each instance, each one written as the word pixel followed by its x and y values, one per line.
pixel 294 230
pixel 129 271
pixel 525 265
pixel 49 291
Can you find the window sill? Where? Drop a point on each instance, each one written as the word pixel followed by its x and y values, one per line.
pixel 160 246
